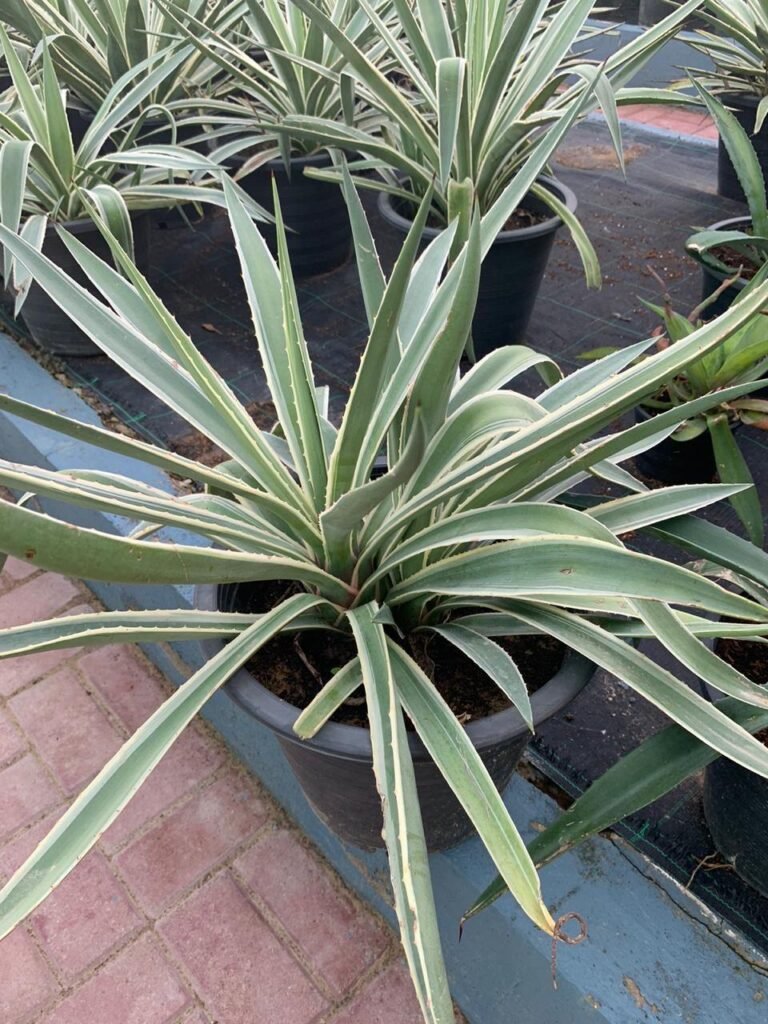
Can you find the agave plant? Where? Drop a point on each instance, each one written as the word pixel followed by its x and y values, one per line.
pixel 479 85
pixel 741 359
pixel 45 179
pixel 468 533
pixel 748 247
pixel 738 48
pixel 95 43
pixel 280 64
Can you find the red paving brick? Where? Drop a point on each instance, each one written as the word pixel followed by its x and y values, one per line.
pixel 138 987
pixel 191 841
pixel 239 969
pixel 388 999
pixel 15 570
pixel 86 917
pixel 39 598
pixel 25 792
pixel 12 743
pixel 126 683
pixel 72 734
pixel 27 983
pixel 191 760
pixel 337 939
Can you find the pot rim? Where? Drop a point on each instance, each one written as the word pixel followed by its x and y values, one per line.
pixel 353 742
pixel 545 227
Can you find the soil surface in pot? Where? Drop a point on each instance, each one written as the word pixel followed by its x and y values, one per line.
pixel 295 666
pixel 521 218
pixel 749 658
pixel 735 261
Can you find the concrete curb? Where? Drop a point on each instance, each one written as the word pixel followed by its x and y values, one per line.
pixel 654 953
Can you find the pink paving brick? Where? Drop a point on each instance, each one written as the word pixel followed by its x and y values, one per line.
pixel 15 570
pixel 191 760
pixel 25 792
pixel 17 673
pixel 388 999
pixel 72 734
pixel 125 681
pixel 12 743
pixel 340 939
pixel 138 987
pixel 16 850
pixel 85 917
pixel 39 598
pixel 191 841
pixel 26 982
pixel 239 969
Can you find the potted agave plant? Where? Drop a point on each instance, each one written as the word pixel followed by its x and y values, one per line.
pixel 479 87
pixel 45 181
pixel 468 537
pixel 737 45
pixel 735 248
pixel 281 65
pixel 704 445
pixel 94 44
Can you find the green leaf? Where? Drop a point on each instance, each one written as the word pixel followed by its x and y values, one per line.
pixel 650 771
pixel 450 88
pixel 732 468
pixel 570 571
pixel 336 691
pixel 494 661
pixel 88 554
pixel 94 628
pixel 403 828
pixel 461 766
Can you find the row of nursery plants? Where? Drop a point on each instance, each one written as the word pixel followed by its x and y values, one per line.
pixel 437 533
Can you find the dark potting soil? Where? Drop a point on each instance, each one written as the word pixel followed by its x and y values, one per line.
pixel 639 226
pixel 295 666
pixel 736 261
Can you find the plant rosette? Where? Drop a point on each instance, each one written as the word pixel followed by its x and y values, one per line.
pixel 478 95
pixel 46 182
pixel 474 533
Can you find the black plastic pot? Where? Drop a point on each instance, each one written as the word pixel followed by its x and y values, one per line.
pixel 51 328
pixel 335 768
pixel 512 270
pixel 321 239
pixel 744 109
pixel 712 279
pixel 677 462
pixel 736 810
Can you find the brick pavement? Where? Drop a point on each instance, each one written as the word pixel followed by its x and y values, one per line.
pixel 202 904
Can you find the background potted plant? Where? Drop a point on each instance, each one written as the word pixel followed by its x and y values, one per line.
pixel 93 44
pixel 738 49
pixel 479 87
pixel 45 180
pixel 733 249
pixel 463 537
pixel 705 444
pixel 280 64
